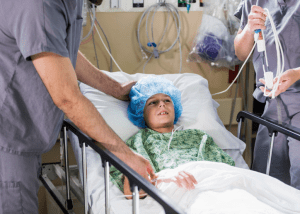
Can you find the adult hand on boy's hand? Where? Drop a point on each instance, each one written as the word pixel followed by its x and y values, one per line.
pixel 127 191
pixel 144 168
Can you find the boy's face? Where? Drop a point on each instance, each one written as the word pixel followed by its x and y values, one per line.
pixel 159 113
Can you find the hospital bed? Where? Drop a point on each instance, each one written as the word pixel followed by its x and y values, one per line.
pixel 224 184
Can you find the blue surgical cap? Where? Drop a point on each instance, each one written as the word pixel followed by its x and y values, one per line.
pixel 143 90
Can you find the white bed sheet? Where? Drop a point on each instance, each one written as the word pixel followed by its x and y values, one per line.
pixel 221 189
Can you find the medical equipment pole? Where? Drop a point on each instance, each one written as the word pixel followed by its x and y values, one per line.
pixel 84 169
pixel 270 154
pixel 135 200
pixel 69 204
pixel 61 147
pixel 106 171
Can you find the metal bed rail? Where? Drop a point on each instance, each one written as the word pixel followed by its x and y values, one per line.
pixel 273 129
pixel 136 181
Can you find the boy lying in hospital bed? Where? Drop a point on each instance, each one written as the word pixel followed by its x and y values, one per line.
pixel 156 106
pixel 220 188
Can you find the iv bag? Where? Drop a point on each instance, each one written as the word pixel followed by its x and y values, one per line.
pixel 214 42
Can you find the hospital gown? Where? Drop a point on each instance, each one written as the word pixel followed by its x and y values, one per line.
pixel 185 146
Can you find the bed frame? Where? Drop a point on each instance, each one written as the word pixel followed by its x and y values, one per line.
pixel 68 173
pixel 80 191
pixel 273 128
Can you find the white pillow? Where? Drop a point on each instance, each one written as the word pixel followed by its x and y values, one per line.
pixel 199 109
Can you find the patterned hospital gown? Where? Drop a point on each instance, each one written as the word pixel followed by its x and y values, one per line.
pixel 186 146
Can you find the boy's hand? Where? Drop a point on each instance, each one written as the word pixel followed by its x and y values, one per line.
pixel 183 180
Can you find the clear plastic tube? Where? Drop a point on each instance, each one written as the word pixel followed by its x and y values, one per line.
pixel 280 57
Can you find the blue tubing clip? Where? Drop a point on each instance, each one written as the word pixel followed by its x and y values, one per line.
pixel 257 31
pixel 149 44
pixel 188 7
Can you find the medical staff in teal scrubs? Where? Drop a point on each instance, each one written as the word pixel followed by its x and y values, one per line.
pixel 39 68
pixel 285 163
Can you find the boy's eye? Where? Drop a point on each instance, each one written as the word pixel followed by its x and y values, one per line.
pixel 152 103
pixel 167 101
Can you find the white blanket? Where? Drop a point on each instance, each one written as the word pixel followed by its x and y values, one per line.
pixel 221 189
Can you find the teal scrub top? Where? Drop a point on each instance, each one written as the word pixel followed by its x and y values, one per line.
pixel 29 120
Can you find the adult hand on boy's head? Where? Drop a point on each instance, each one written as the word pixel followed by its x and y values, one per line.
pixel 123 92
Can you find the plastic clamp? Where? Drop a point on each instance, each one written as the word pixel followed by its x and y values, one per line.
pixel 269 79
pixel 155 53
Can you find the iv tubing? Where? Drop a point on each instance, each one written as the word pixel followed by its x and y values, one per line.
pixel 241 69
pixel 92 25
pixel 107 49
pixel 280 56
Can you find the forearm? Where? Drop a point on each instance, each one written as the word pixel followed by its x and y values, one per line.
pixel 243 43
pixel 298 73
pixel 60 80
pixel 90 75
pixel 86 117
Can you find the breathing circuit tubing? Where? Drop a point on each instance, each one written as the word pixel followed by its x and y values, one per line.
pixel 92 25
pixel 279 51
pixel 171 10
